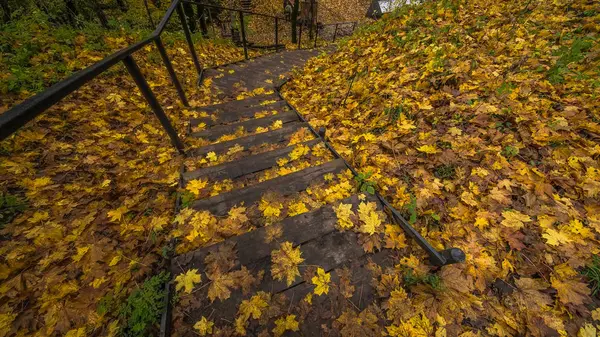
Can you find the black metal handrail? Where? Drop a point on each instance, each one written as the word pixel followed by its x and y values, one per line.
pixel 19 115
pixel 437 258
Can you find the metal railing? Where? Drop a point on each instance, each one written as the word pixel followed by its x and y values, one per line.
pixel 438 258
pixel 19 115
pixel 320 27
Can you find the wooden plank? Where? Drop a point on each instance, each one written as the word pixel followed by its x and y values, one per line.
pixel 235 115
pixel 271 137
pixel 250 125
pixel 286 185
pixel 238 104
pixel 244 166
pixel 326 310
pixel 253 246
pixel 328 252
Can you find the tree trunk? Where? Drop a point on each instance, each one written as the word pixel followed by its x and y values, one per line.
pixel 202 18
pixel 311 18
pixel 100 13
pixel 295 20
pixel 189 13
pixel 71 12
pixel 122 5
pixel 5 10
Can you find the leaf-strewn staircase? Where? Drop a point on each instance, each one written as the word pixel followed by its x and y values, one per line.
pixel 258 153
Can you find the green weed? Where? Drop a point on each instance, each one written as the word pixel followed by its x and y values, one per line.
pixel 144 307
pixel 568 54
pixel 410 279
pixel 364 184
pixel 10 207
pixel 592 272
pixel 509 151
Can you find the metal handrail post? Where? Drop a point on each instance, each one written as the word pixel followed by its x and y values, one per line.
pixel 144 87
pixel 335 32
pixel 188 37
pixel 163 53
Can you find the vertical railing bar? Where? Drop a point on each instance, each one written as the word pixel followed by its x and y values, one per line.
pixel 163 53
pixel 335 32
pixel 188 37
pixel 243 29
pixel 144 87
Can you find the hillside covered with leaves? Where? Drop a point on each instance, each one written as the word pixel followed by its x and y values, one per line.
pixel 480 121
pixel 87 190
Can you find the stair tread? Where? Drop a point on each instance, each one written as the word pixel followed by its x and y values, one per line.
pixel 244 166
pixel 238 104
pixel 298 229
pixel 320 243
pixel 229 116
pixel 250 125
pixel 284 185
pixel 272 137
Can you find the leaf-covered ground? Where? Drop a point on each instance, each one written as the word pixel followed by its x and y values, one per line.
pixel 480 121
pixel 87 197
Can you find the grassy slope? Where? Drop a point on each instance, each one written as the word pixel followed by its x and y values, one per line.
pixel 96 175
pixel 486 112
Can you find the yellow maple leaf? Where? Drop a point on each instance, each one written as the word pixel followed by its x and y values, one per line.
pixel 555 238
pixel 481 223
pixel 235 149
pixel 285 261
pixel 571 292
pixel 299 151
pixel 367 213
pixel 588 330
pixel 514 219
pixel 187 280
pixel 278 124
pixel 321 281
pixel 76 333
pixel 252 308
pixel 211 156
pixel 371 223
pixel 204 326
pixel 80 253
pixel 196 185
pixel 39 217
pixel 117 214
pixel 114 260
pixel 343 213
pixel 296 208
pixel 237 213
pixel 270 209
pixel 429 149
pixel 157 223
pixel 394 237
pixel 284 324
pixel 219 287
